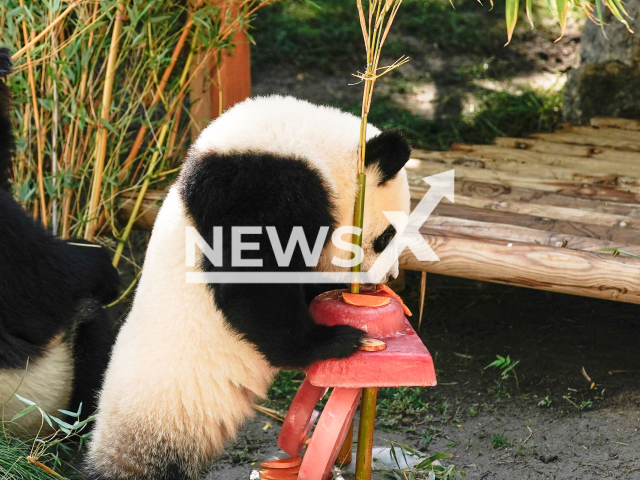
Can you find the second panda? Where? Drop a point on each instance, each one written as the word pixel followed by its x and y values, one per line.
pixel 191 359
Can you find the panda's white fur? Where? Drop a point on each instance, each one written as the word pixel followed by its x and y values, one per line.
pixel 46 380
pixel 180 378
pixel 178 374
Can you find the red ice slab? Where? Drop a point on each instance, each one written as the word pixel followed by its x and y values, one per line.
pixel 329 434
pixel 329 309
pixel 300 418
pixel 406 362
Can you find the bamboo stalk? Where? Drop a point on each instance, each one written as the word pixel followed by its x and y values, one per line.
pixel 143 190
pixel 51 26
pixel 36 118
pixel 158 94
pixel 364 454
pixel 101 144
pixel 374 32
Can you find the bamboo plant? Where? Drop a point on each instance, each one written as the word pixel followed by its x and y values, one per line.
pixel 375 25
pixel 101 101
pixel 592 8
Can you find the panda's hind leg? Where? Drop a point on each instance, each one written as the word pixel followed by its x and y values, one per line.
pixel 93 341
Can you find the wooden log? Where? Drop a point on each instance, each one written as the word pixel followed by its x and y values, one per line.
pixel 148 210
pixel 607 132
pixel 620 236
pixel 533 266
pixel 500 154
pixel 470 188
pixel 417 169
pixel 594 140
pixel 550 211
pixel 535 145
pixel 622 123
pixel 472 229
pixel 529 169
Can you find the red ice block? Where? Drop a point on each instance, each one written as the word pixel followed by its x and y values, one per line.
pixel 300 418
pixel 404 363
pixel 329 309
pixel 329 434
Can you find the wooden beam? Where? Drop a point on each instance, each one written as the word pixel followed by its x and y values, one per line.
pixel 622 123
pixel 494 155
pixel 533 266
pixel 538 223
pixel 474 189
pixel 529 169
pixel 476 230
pixel 418 169
pixel 594 139
pixel 609 132
pixel 588 151
pixel 550 211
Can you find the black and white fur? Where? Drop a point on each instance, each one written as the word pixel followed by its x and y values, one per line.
pixel 191 359
pixel 55 338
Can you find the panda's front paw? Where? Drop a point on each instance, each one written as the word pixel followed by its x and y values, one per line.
pixel 338 341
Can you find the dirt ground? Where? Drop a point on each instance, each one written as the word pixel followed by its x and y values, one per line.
pixel 585 432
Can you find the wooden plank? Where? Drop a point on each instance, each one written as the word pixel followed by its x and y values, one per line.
pixel 551 211
pixel 470 188
pixel 528 169
pixel 567 149
pixel 595 140
pixel 418 169
pixel 472 229
pixel 500 154
pixel 608 132
pixel 148 210
pixel 617 235
pixel 622 123
pixel 533 266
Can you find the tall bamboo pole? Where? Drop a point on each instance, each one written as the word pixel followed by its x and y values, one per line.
pixel 374 32
pixel 101 135
pixel 36 119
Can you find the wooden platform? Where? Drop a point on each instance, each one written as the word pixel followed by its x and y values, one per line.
pixel 556 211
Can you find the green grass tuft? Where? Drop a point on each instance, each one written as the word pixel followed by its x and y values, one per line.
pixel 14 464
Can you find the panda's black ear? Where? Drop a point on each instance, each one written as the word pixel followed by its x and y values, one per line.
pixel 387 152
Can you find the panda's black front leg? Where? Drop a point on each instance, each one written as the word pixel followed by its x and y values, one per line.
pixel 275 318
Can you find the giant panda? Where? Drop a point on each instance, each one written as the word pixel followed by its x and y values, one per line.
pixel 191 358
pixel 55 337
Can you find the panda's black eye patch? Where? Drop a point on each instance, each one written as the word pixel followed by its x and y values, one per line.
pixel 384 239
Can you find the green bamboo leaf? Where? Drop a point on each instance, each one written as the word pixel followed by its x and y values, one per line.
pixel 529 14
pixel 563 9
pixel 24 400
pixel 511 14
pixel 428 462
pixel 24 412
pixel 599 14
pixel 618 11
